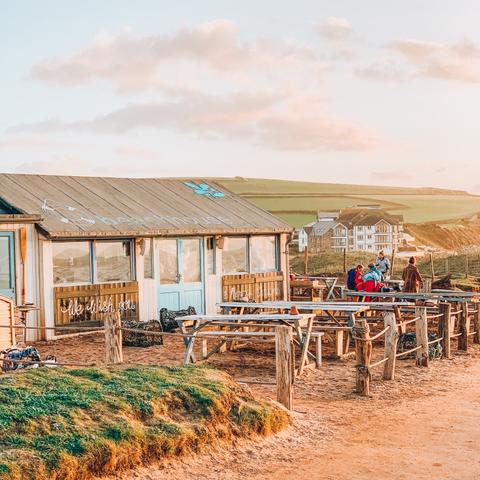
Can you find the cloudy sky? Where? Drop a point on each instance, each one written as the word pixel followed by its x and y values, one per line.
pixel 370 92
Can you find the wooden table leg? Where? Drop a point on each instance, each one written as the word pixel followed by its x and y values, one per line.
pixel 305 345
pixel 189 341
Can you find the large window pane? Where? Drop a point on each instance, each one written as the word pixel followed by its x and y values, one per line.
pixel 168 261
pixel 71 262
pixel 148 258
pixel 191 261
pixel 114 262
pixel 263 254
pixel 4 263
pixel 210 261
pixel 234 255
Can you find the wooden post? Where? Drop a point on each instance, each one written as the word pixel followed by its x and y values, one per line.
pixel 432 267
pixel 305 260
pixel 445 328
pixel 345 260
pixel 466 266
pixel 464 328
pixel 113 339
pixel 421 333
pixel 392 265
pixel 363 350
pixel 476 323
pixel 284 373
pixel 391 339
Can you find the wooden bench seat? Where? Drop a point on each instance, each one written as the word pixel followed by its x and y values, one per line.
pixel 252 336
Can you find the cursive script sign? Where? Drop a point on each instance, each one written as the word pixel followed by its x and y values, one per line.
pixel 88 304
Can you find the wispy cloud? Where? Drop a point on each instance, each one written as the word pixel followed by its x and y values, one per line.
pixel 280 120
pixel 385 70
pixel 457 61
pixel 335 29
pixel 134 62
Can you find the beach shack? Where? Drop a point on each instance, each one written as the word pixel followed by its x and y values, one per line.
pixel 78 248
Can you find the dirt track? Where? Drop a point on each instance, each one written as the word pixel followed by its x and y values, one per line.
pixel 424 425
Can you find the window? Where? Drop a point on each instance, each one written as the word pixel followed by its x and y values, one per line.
pixel 71 262
pixel 235 255
pixel 383 228
pixel 192 272
pixel 113 261
pixel 148 258
pixel 168 261
pixel 263 254
pixel 210 255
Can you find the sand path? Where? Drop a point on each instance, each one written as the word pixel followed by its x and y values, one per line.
pixel 427 426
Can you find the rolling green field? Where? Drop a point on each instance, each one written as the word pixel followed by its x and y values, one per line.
pixel 298 202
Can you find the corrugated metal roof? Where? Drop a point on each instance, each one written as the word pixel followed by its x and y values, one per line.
pixel 322 227
pixel 103 206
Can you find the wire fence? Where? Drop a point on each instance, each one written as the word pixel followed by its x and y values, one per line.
pixel 459 266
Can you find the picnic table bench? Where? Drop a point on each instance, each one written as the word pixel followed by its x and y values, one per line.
pixel 195 326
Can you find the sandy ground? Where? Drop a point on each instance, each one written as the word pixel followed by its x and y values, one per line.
pixel 425 424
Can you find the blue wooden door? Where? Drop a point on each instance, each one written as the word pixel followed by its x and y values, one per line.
pixel 181 278
pixel 7 265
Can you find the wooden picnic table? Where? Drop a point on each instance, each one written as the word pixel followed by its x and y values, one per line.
pixel 331 309
pixel 439 295
pixel 195 327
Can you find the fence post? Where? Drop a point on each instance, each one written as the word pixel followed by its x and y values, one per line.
pixel 445 328
pixel 345 260
pixel 432 267
pixel 113 339
pixel 284 371
pixel 392 266
pixel 391 340
pixel 421 333
pixel 363 350
pixel 476 323
pixel 463 328
pixel 305 260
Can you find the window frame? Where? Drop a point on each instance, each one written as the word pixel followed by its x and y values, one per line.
pixel 249 254
pixel 93 261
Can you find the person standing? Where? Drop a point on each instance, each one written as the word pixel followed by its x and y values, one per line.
pixel 383 265
pixel 412 278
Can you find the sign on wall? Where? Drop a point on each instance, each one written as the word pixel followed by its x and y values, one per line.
pixel 88 304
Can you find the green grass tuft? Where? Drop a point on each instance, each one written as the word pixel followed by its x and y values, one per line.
pixel 64 423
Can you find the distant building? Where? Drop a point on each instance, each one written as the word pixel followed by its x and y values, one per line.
pixel 368 229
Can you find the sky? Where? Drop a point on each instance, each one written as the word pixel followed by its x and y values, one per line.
pixel 371 92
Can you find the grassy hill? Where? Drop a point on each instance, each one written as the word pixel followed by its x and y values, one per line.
pixel 298 202
pixel 74 424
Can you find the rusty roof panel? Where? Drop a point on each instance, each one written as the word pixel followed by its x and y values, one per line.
pixel 73 207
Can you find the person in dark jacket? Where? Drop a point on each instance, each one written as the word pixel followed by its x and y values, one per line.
pixel 412 278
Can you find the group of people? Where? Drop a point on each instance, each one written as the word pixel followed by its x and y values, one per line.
pixel 373 279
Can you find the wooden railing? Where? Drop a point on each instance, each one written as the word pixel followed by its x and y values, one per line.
pixel 88 304
pixel 255 287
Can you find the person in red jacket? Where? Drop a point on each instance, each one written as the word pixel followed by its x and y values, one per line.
pixel 359 278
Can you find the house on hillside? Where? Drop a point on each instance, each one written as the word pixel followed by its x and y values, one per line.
pixel 367 229
pixel 82 247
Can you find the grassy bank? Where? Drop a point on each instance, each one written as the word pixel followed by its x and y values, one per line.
pixel 73 424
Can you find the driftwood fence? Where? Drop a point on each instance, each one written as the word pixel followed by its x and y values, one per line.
pixel 454 321
pixel 113 331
